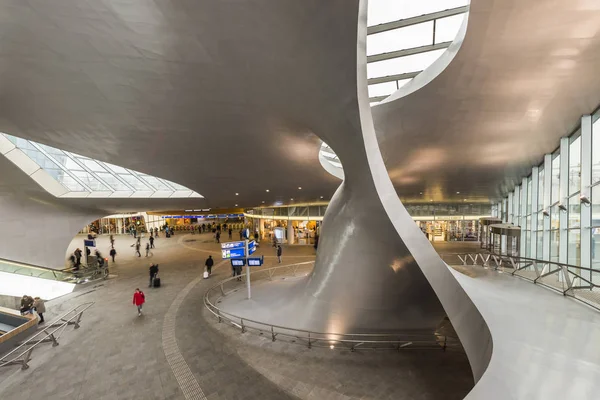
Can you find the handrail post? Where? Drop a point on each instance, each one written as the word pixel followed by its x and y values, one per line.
pixel 78 320
pixel 219 314
pixel 272 333
pixel 25 360
pixel 54 342
pixel 309 342
pixel 243 327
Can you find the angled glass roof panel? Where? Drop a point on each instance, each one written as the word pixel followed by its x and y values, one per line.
pixel 87 176
pixel 90 181
pixel 135 182
pixel 114 183
pixel 156 183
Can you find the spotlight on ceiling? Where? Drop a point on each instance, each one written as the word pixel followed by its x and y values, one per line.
pixel 267 190
pixel 299 187
pixel 457 192
pixel 237 194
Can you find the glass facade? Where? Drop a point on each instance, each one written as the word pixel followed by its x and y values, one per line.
pixel 562 223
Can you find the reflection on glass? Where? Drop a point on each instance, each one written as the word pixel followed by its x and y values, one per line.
pixel 554 245
pixel 529 198
pixel 574 212
pixel 574 247
pixel 527 244
pixel 540 245
pixel 540 221
pixel 541 189
pixel 596 151
pixel 574 165
pixel 554 217
pixel 555 193
pixel 596 205
pixel 596 250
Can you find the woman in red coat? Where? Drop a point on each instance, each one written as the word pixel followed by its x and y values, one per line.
pixel 138 300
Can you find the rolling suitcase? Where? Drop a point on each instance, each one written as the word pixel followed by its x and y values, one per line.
pixel 156 282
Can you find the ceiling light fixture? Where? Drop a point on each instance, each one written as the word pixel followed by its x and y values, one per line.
pixel 457 192
pixel 236 205
pixel 321 196
pixel 292 199
pixel 267 190
pixel 299 187
pixel 420 192
pixel 237 194
pixel 263 202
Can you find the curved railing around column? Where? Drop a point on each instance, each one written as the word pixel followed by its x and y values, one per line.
pixel 567 279
pixel 346 341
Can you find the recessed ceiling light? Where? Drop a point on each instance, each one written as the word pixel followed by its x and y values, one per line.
pixel 267 190
pixel 457 192
pixel 464 199
pixel 291 199
pixel 236 205
pixel 237 194
pixel 420 192
pixel 430 199
pixel 299 187
pixel 321 196
pixel 263 201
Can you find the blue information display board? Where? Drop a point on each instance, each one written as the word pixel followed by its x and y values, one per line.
pixel 233 253
pixel 251 247
pixel 255 262
pixel 238 262
pixel 89 243
pixel 232 245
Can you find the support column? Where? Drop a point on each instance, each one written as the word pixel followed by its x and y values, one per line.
pixel 290 232
pixel 534 212
pixel 547 193
pixel 564 201
pixel 586 182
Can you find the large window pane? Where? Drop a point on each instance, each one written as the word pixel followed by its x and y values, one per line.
pixel 540 245
pixel 554 197
pixel 574 247
pixel 596 206
pixel 596 151
pixel 529 198
pixel 554 217
pixel 574 212
pixel 574 165
pixel 554 245
pixel 541 189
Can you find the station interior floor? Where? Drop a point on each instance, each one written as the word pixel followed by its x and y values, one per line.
pixel 118 355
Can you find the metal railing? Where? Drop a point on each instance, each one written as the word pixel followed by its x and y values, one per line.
pixel 85 273
pixel 348 341
pixel 22 354
pixel 569 280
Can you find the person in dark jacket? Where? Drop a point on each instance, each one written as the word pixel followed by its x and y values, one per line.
pixel 153 272
pixel 137 249
pixel 26 304
pixel 209 264
pixel 218 236
pixel 151 242
pixel 40 308
pixel 113 253
pixel 279 251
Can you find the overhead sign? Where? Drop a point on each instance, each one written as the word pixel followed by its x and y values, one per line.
pixel 232 245
pixel 233 253
pixel 238 262
pixel 89 243
pixel 255 261
pixel 251 247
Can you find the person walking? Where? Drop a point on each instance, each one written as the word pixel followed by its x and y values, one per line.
pixel 40 308
pixel 218 236
pixel 153 270
pixel 113 253
pixel 151 242
pixel 279 251
pixel 209 264
pixel 137 249
pixel 112 242
pixel 138 300
pixel 147 249
pixel 230 232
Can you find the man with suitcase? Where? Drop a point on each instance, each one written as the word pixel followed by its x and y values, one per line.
pixel 153 275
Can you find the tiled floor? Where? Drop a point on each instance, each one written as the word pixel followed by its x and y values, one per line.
pixel 118 355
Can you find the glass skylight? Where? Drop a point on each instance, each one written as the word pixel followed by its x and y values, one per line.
pixel 66 174
pixel 405 37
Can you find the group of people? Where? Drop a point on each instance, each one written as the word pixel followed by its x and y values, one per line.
pixel 149 246
pixel 30 304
